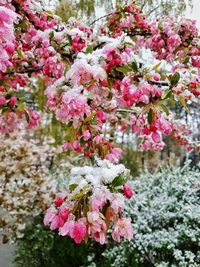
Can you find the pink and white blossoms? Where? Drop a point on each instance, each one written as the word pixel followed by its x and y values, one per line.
pixel 73 108
pixel 7 37
pixel 122 229
pixel 92 204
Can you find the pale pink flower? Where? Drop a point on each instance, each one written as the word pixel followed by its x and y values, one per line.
pixel 114 155
pixel 56 222
pixel 98 201
pixel 67 228
pixel 97 227
pixel 123 228
pixel 118 203
pixel 86 135
pixel 50 214
pixel 73 108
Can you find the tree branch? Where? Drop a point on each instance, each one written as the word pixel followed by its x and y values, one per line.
pixel 31 70
pixel 105 16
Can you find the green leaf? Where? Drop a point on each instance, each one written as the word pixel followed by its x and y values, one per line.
pixel 134 67
pixel 186 60
pixel 155 67
pixel 90 117
pixel 124 69
pixel 183 102
pixel 165 109
pixel 166 94
pixel 21 106
pixel 119 180
pixel 175 78
pixel 72 187
pixel 51 35
pixel 20 54
pixel 150 116
pixel 27 115
pixel 89 49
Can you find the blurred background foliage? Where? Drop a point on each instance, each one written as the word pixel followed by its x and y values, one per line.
pixel 90 9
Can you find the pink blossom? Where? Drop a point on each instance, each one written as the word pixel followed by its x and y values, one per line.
pixel 79 232
pixel 97 227
pixel 122 228
pixel 156 137
pixel 98 201
pixel 78 43
pixel 56 222
pixel 127 190
pixel 86 135
pixel 97 139
pixel 53 67
pixel 2 101
pixel 114 155
pixel 156 77
pixel 13 101
pixel 196 61
pixel 8 122
pixel 34 118
pixel 50 214
pixel 117 203
pixel 73 108
pixel 64 213
pixel 67 228
pixel 101 116
pixel 67 146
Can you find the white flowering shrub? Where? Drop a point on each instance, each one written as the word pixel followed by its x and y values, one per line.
pixel 28 178
pixel 166 215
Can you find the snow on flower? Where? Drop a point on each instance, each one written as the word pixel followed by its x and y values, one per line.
pixel 91 201
pixel 73 108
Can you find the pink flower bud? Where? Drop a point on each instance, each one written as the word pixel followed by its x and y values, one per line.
pixel 2 101
pixel 127 190
pixel 13 101
pixel 156 77
pixel 101 116
pixel 58 201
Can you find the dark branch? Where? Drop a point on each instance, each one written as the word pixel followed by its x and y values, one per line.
pixel 159 83
pixel 31 70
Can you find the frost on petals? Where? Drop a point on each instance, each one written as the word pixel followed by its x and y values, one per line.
pixel 91 202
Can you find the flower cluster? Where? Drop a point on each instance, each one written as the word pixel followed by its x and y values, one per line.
pixel 92 204
pixel 89 76
pixel 7 37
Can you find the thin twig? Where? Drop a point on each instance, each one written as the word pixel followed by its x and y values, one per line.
pixel 105 16
pixel 159 83
pixel 154 9
pixel 31 70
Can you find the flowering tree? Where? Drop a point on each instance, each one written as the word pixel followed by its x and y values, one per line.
pixel 122 74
